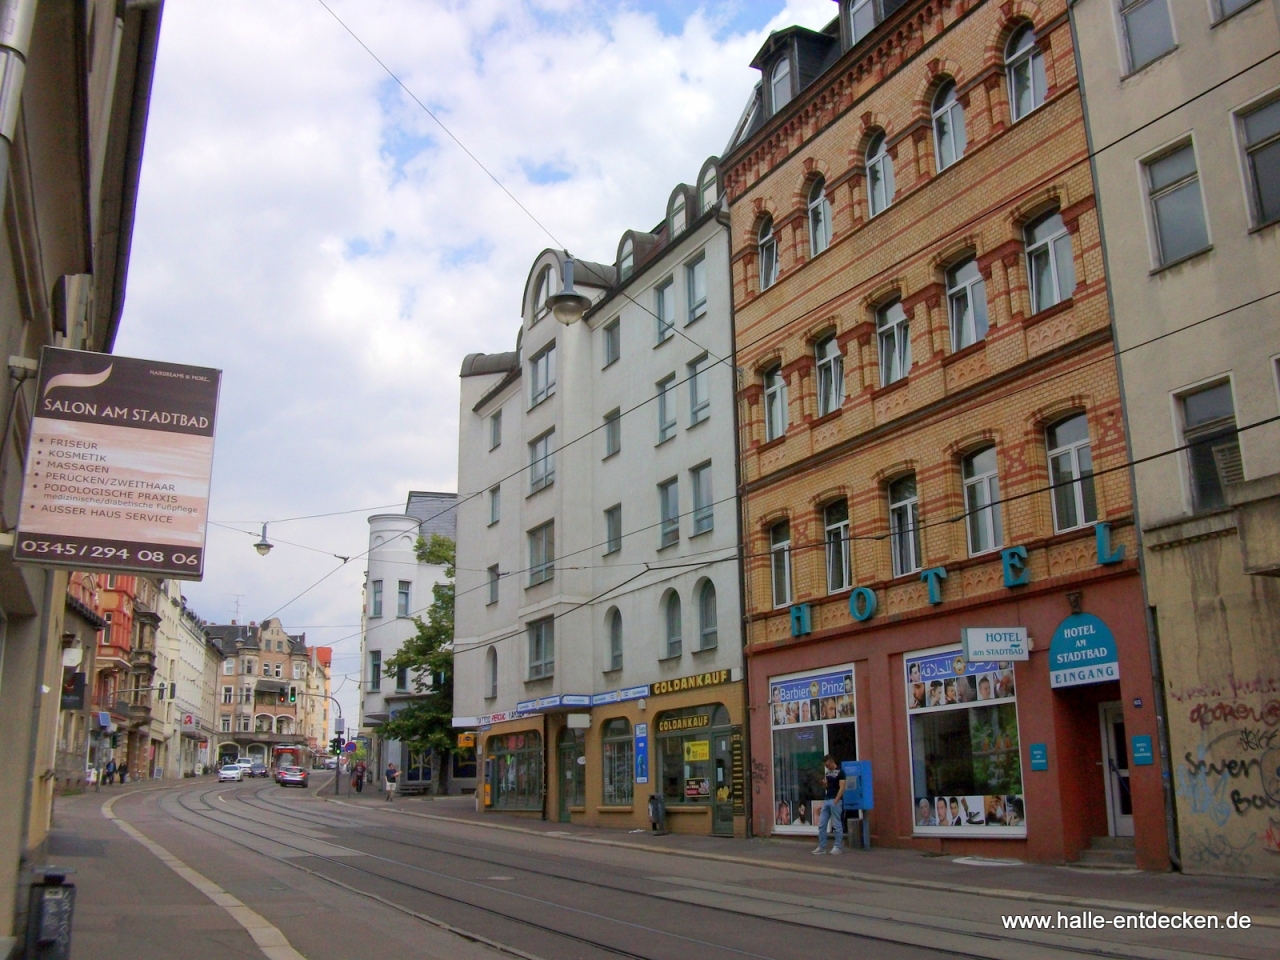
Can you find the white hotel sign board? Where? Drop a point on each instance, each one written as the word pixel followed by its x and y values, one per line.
pixel 118 465
pixel 985 644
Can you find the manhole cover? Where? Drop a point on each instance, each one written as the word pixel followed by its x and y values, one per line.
pixel 987 861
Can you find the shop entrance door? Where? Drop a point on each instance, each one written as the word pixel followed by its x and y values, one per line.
pixel 1115 762
pixel 573 780
pixel 722 785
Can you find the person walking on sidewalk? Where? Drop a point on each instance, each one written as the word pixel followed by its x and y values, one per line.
pixel 390 776
pixel 832 807
pixel 357 777
pixel 111 772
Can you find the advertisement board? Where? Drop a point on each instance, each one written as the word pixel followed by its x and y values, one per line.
pixel 118 465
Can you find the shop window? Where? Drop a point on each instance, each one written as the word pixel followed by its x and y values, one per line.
pixel 517 770
pixel 618 763
pixel 684 751
pixel 966 767
pixel 811 715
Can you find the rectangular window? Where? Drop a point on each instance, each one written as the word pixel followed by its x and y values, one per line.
pixel 494 577
pixel 981 501
pixel 780 562
pixel 966 766
pixel 695 278
pixel 228 694
pixel 612 342
pixel 225 725
pixel 704 517
pixel 699 390
pixel 1227 7
pixel 1262 152
pixel 666 409
pixel 1071 474
pixel 495 430
pixel 811 715
pixel 894 334
pixel 542 649
pixel 542 376
pixel 665 310
pixel 1177 209
pixel 375 599
pixel 836 522
pixel 402 679
pixel 775 404
pixel 1209 428
pixel 542 553
pixel 375 670
pixel 402 598
pixel 1148 30
pixel 517 770
pixel 244 724
pixel 967 302
pixel 228 667
pixel 495 504
pixel 613 529
pixel 612 432
pixel 618 763
pixel 904 526
pixel 542 462
pixel 830 376
pixel 297 670
pixel 669 505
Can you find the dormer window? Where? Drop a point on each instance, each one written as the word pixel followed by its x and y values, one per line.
pixel 862 18
pixel 707 191
pixel 626 262
pixel 678 216
pixel 542 291
pixel 780 84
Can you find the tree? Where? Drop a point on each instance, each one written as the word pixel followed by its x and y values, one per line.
pixel 426 723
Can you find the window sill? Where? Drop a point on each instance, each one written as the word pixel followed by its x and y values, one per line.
pixel 611 553
pixel 1181 260
pixel 492 523
pixel 577 809
pixel 668 546
pixel 541 679
pixel 611 670
pixel 610 456
pixel 540 583
pixel 664 440
pixel 1235 13
pixel 667 339
pixel 775 442
pixel 610 363
pixel 711 649
pixel 1270 223
pixel 701 533
pixel 1062 306
pixel 617 809
pixel 692 320
pixel 828 416
pixel 888 388
pixel 670 657
pixel 1149 64
pixel 955 356
pixel 700 420
pixel 545 486
pixel 1013 121
pixel 540 401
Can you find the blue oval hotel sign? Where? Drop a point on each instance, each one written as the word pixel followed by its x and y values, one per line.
pixel 1083 651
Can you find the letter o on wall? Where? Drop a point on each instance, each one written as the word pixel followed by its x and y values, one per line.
pixel 862 604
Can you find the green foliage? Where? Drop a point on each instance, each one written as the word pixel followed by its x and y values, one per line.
pixel 427 723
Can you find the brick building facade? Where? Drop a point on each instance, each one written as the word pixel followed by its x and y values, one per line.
pixel 932 439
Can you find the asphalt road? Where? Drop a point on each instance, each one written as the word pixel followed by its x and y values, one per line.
pixel 330 880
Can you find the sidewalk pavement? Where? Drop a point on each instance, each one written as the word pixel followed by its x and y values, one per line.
pixel 1047 886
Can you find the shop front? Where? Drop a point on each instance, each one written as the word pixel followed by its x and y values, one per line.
pixel 1022 729
pixel 598 762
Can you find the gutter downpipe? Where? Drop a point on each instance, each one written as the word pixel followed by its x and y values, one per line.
pixel 17 17
pixel 1153 644
pixel 748 787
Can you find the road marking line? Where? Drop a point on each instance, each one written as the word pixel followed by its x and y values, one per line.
pixel 273 944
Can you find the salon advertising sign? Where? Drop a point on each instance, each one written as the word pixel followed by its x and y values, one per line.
pixel 118 465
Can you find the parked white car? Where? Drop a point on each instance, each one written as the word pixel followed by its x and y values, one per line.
pixel 232 771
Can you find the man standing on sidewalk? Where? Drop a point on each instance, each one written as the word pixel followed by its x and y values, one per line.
pixel 831 807
pixel 390 777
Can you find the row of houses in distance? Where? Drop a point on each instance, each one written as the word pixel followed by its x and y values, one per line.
pixel 935 425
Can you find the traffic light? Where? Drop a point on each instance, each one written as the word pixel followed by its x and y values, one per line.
pixel 293 694
pixel 335 745
pixel 281 698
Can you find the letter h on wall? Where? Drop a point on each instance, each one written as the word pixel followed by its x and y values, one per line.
pixel 801 620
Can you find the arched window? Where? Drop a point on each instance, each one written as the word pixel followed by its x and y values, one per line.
pixel 830 375
pixel 775 404
pixel 615 639
pixel 780 84
pixel 671 615
pixel 677 216
pixel 1071 473
pixel 626 262
pixel 880 186
pixel 780 562
pixel 904 525
pixel 767 247
pixel 708 635
pixel 546 281
pixel 618 762
pixel 707 192
pixel 948 126
pixel 982 500
pixel 1024 65
pixel 1050 266
pixel 967 301
pixel 491 673
pixel 819 218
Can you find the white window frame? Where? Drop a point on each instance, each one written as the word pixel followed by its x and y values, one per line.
pixel 857 7
pixel 375 603
pixel 699 390
pixel 679 216
pixel 542 553
pixel 612 341
pixel 613 529
pixel 819 218
pixel 893 338
pixel 229 695
pixel 669 513
pixel 542 375
pixel 963 300
pixel 666 408
pixel 627 261
pixel 1025 60
pixel 542 290
pixel 830 363
pixel 704 520
pixel 495 577
pixel 904 531
pixel 879 174
pixel 780 73
pixel 672 626
pixel 695 278
pixel 664 309
pixel 542 648
pixel 780 563
pixel 612 433
pixel 1049 248
pixel 542 462
pixel 404 598
pixel 495 504
pixel 228 667
pixel 775 404
pixel 615 626
pixel 838 554
pixel 1076 483
pixel 708 184
pixel 708 626
pixel 767 252
pixel 945 109
pixel 495 430
pixel 982 504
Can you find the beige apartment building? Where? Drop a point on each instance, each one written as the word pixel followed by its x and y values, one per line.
pixel 1183 107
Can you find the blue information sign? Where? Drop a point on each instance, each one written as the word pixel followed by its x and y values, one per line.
pixel 1039 756
pixel 1083 650
pixel 642 753
pixel 1143 754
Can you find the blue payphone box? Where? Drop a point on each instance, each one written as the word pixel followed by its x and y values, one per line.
pixel 858 794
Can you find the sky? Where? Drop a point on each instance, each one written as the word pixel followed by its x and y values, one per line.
pixel 306 227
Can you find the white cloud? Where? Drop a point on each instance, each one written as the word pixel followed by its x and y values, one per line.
pixel 306 227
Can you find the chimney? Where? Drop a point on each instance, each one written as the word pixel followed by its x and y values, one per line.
pixel 233 623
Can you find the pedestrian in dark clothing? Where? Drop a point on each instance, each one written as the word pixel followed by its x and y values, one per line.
pixel 111 772
pixel 391 774
pixel 357 776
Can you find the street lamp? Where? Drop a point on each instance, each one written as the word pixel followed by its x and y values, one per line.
pixel 263 546
pixel 568 305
